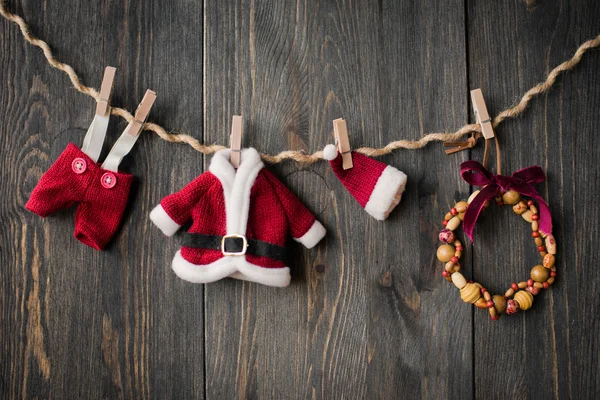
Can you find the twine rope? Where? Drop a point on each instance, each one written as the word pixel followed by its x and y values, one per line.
pixel 301 156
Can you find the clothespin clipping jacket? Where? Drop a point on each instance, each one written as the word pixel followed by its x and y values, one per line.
pixel 141 114
pixel 103 106
pixel 342 142
pixel 235 155
pixel 481 114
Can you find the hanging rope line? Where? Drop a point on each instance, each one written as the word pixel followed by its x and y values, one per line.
pixel 301 156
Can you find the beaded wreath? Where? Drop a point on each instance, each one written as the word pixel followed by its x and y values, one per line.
pixel 516 190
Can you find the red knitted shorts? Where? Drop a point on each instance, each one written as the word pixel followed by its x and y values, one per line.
pixel 101 194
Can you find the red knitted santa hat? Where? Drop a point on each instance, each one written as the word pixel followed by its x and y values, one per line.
pixel 376 186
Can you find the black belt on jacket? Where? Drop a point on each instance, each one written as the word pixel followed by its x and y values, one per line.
pixel 235 245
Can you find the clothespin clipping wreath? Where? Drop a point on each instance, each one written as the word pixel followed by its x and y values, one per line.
pixel 516 190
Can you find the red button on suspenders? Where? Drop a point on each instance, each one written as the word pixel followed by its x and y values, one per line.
pixel 79 165
pixel 108 180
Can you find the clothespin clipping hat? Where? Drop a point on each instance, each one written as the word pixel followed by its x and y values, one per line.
pixel 376 186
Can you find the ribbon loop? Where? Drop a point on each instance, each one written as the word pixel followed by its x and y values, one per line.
pixel 521 181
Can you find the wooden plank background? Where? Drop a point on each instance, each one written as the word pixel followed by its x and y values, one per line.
pixel 367 314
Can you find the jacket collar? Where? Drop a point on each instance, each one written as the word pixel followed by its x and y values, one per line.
pixel 236 185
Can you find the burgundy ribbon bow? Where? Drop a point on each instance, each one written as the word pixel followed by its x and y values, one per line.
pixel 521 181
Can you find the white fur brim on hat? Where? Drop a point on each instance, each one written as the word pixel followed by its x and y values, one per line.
pixel 387 193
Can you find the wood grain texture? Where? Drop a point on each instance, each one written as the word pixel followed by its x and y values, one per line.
pixel 367 315
pixel 549 351
pixel 77 322
pixel 360 319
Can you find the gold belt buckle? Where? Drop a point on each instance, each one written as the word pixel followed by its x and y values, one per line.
pixel 234 236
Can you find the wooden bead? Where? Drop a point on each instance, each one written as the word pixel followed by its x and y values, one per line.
pixel 499 303
pixel 551 280
pixel 472 196
pixel 522 285
pixel 551 244
pixel 470 293
pixel 448 216
pixel 449 266
pixel 493 312
pixel 538 285
pixel 548 261
pixel 487 296
pixel 445 253
pixel 527 216
pixel 459 280
pixel 457 243
pixel 533 209
pixel 481 303
pixel 520 207
pixel 512 306
pixel 535 225
pixel 509 292
pixel 539 273
pixel 538 241
pixel 525 299
pixel 533 290
pixel 453 223
pixel 511 197
pixel 446 236
pixel 543 254
pixel 461 207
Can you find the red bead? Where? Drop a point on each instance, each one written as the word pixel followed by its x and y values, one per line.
pixel 459 248
pixel 514 286
pixel 453 211
pixel 470 281
pixel 490 304
pixel 454 260
pixel 445 273
pixel 483 290
pixel 546 285
pixel 535 234
pixel 541 248
pixel 500 203
pixel 535 217
pixel 552 273
pixel 530 203
pixel 529 282
pixel 495 317
pixel 444 222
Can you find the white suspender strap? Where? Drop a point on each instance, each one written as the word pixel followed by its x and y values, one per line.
pixel 128 138
pixel 94 138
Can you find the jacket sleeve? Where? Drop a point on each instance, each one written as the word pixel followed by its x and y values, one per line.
pixel 175 210
pixel 304 228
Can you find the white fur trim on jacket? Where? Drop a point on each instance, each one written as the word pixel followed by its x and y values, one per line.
pixel 312 236
pixel 230 266
pixel 162 220
pixel 388 189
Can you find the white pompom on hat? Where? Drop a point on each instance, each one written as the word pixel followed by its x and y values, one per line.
pixel 376 186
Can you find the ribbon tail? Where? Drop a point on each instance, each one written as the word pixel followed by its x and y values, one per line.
pixel 474 209
pixel 545 221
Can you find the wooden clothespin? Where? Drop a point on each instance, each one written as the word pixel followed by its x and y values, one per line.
pixel 141 114
pixel 483 119
pixel 342 142
pixel 481 114
pixel 235 155
pixel 103 106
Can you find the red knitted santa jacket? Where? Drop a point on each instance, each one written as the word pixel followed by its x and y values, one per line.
pixel 249 201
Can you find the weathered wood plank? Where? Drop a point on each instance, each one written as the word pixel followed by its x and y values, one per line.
pixel 344 328
pixel 77 322
pixel 549 351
